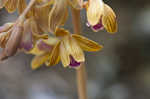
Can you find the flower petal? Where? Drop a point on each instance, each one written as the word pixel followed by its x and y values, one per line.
pixel 86 44
pixel 41 17
pixel 6 27
pixel 36 49
pixel 74 49
pixel 37 61
pixel 2 3
pixel 57 15
pixel 44 46
pixel 77 4
pixel 51 41
pixel 11 5
pixel 27 41
pixel 60 32
pixel 4 38
pixel 36 32
pixel 42 3
pixel 21 6
pixel 94 11
pixel 54 57
pixel 109 19
pixel 64 55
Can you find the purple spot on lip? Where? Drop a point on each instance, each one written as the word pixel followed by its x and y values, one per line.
pixel 43 46
pixel 73 62
pixel 26 46
pixel 98 26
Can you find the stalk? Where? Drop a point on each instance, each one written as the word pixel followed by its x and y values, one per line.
pixel 81 72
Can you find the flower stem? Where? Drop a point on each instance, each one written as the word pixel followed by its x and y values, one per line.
pixel 81 72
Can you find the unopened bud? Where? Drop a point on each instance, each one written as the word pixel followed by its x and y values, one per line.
pixel 14 40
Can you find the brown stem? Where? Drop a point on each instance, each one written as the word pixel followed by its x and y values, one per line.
pixel 81 72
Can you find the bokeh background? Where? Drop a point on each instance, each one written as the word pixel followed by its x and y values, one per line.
pixel 120 71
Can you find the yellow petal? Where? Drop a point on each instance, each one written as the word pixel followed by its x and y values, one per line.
pixel 64 55
pixel 51 41
pixel 21 6
pixel 42 3
pixel 94 11
pixel 11 5
pixel 57 15
pixel 37 61
pixel 2 3
pixel 54 57
pixel 77 4
pixel 4 38
pixel 6 27
pixel 41 17
pixel 74 49
pixel 85 4
pixel 61 32
pixel 109 19
pixel 86 44
pixel 36 50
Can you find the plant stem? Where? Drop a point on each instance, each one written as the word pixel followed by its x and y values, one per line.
pixel 81 72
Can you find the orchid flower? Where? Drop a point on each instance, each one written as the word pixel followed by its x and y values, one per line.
pixel 69 49
pixel 100 16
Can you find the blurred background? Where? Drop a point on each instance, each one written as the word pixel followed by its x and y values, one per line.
pixel 120 71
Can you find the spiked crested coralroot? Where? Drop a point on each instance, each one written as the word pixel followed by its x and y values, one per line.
pixel 40 19
pixel 68 48
pixel 100 16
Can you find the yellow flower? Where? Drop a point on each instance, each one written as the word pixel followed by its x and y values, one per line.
pixel 69 49
pixel 100 15
pixel 42 50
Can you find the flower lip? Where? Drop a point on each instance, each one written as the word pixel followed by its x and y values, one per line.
pixel 96 27
pixel 43 46
pixel 73 62
pixel 26 46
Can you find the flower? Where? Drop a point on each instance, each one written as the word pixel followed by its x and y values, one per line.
pixel 68 48
pixel 42 50
pixel 100 15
